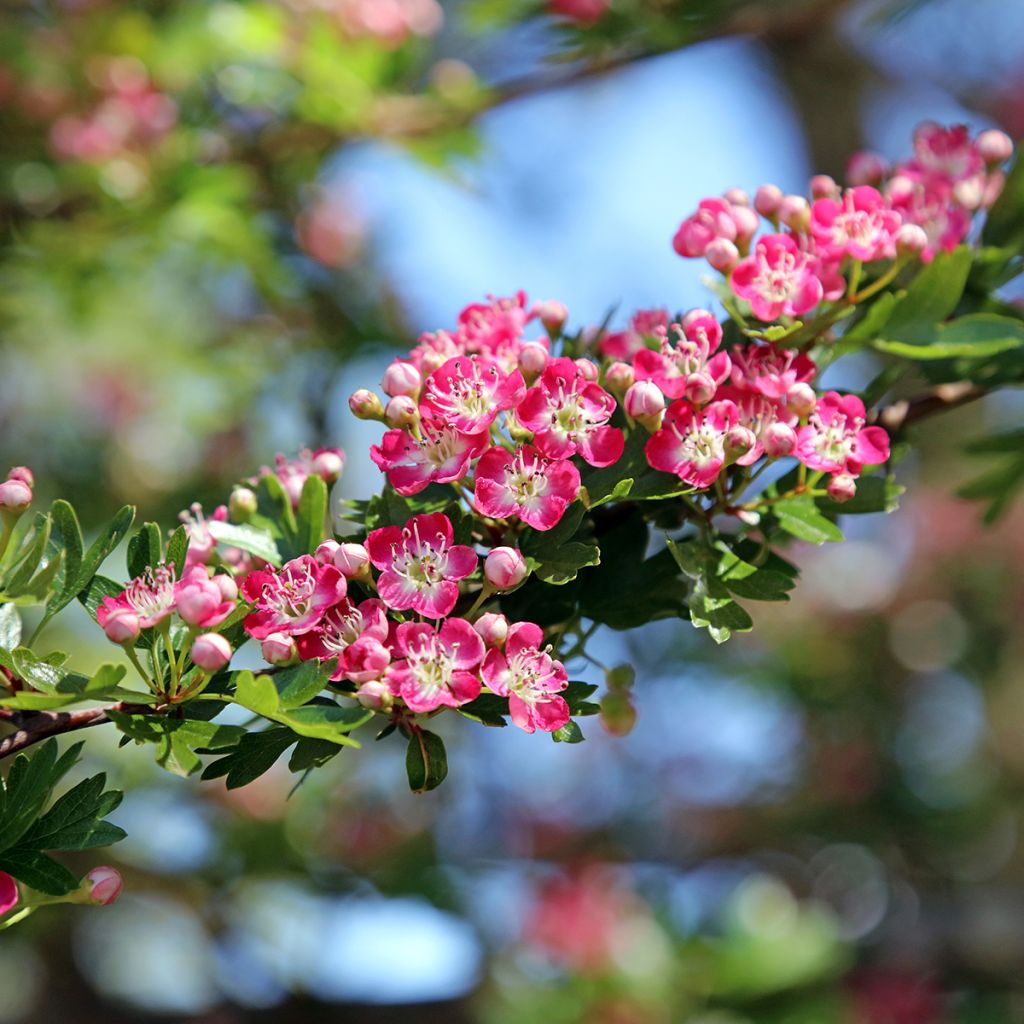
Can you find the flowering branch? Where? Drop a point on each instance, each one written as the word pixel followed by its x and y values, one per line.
pixel 34 726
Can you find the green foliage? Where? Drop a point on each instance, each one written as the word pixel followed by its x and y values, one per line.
pixel 426 761
pixel 557 555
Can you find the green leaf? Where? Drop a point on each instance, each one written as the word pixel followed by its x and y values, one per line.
pixel 10 627
pixel 312 515
pixel 576 694
pixel 569 733
pixel 31 779
pixel 874 494
pixel 66 524
pixel 248 538
pixel 801 517
pixel 557 555
pixel 98 551
pixel 1004 224
pixel 751 581
pixel 29 561
pixel 145 550
pixel 38 872
pixel 976 336
pixel 487 709
pixel 178 740
pixel 931 297
pixel 255 754
pixel 74 822
pixel 177 550
pixel 309 753
pixel 426 761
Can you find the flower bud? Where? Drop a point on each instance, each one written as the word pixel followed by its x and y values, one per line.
pixel 552 313
pixel 122 626
pixel 211 652
pixel 366 659
pixel 736 197
pixel 9 894
pixel 227 586
pixel 994 185
pixel 493 628
pixel 699 388
pixel 365 405
pixel 505 568
pixel 621 677
pixel 618 377
pixel 823 186
pixel 242 504
pixel 994 146
pixel 103 885
pixel 588 368
pixel 375 695
pixel 352 560
pixel 865 168
pixel 911 240
pixel 618 715
pixel 533 357
pixel 722 255
pixel 279 649
pixel 15 496
pixel 795 213
pixel 24 474
pixel 400 412
pixel 328 464
pixel 402 378
pixel 779 440
pixel 842 487
pixel 747 222
pixel 801 400
pixel 739 440
pixel 644 402
pixel 767 200
pixel 326 551
pixel 969 192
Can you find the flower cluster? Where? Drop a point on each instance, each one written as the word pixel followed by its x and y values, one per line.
pixel 326 463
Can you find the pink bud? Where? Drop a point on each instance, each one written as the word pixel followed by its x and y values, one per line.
pixel 375 695
pixel 552 313
pixel 801 400
pixel 401 412
pixel 431 360
pixel 865 168
pixel 699 388
pixel 644 400
pixel 618 377
pixel 351 559
pixel 995 146
pixel 9 895
pixel 722 254
pixel 823 186
pixel 736 197
pixel 739 440
pixel 911 240
pixel 900 188
pixel 747 222
pixel 15 496
pixel 122 626
pixel 993 188
pixel 24 474
pixel 588 369
pixel 767 200
pixel 279 649
pixel 103 885
pixel 842 487
pixel 533 357
pixel 328 464
pixel 243 504
pixel 326 551
pixel 505 568
pixel 692 316
pixel 779 440
pixel 493 628
pixel 227 586
pixel 211 652
pixel 969 192
pixel 365 405
pixel 402 378
pixel 366 659
pixel 795 213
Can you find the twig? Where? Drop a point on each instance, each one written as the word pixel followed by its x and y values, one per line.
pixel 941 398
pixel 40 725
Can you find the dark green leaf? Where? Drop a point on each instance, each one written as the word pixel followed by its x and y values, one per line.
pixel 254 755
pixel 312 514
pixel 569 733
pixel 145 550
pixel 426 762
pixel 177 550
pixel 38 872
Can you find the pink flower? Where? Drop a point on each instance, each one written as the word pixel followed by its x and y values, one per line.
pixel 419 565
pixel 776 279
pixel 929 202
pixel 201 542
pixel 150 596
pixel 292 600
pixel 691 443
pixel 569 414
pixel 946 151
pixel 585 12
pixel 530 678
pixel 525 484
pixel 690 367
pixel 713 219
pixel 835 440
pixel 211 652
pixel 468 392
pixel 436 668
pixel 340 629
pixel 441 455
pixel 769 370
pixel 200 601
pixel 861 224
pixel 326 463
pixel 8 893
pixel 770 423
pixel 646 323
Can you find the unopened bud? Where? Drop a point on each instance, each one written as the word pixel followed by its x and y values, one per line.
pixel 352 559
pixel 122 626
pixel 211 652
pixel 402 378
pixel 699 388
pixel 969 192
pixel 722 254
pixel 739 440
pixel 618 377
pixel 401 412
pixel 747 222
pixel 995 146
pixel 533 357
pixel 588 369
pixel 242 504
pixel 795 212
pixel 366 405
pixel 644 402
pixel 618 715
pixel 493 628
pixel 24 474
pixel 779 440
pixel 326 551
pixel 911 240
pixel 823 186
pixel 103 885
pixel 865 168
pixel 279 649
pixel 505 568
pixel 801 400
pixel 736 197
pixel 15 496
pixel 767 200
pixel 552 313
pixel 375 695
pixel 328 464
pixel 227 586
pixel 842 487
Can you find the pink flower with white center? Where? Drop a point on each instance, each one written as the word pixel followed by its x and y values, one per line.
pixel 495 328
pixel 713 219
pixel 946 151
pixel 569 414
pixel 646 324
pixel 292 600
pixel 525 484
pixel 929 202
pixel 760 415
pixel 468 392
pixel 437 669
pixel 777 279
pixel 420 566
pixel 836 440
pixel 688 365
pixel 150 596
pixel 201 542
pixel 200 601
pixel 339 630
pixel 861 224
pixel 441 454
pixel 530 678
pixel 692 443
pixel 771 371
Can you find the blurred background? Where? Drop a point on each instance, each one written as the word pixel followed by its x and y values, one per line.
pixel 218 219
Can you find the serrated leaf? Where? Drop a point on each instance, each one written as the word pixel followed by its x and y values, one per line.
pixel 38 872
pixel 255 754
pixel 309 753
pixel 426 761
pixel 75 822
pixel 109 538
pixel 178 740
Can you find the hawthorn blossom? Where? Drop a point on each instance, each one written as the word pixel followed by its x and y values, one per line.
pixel 201 542
pixel 441 454
pixel 526 484
pixel 692 443
pixel 339 631
pixel 946 151
pixel 468 392
pixel 770 424
pixel 645 323
pixel 862 225
pixel 771 371
pixel 420 566
pixel 713 219
pixel 930 203
pixel 688 366
pixel 569 414
pixel 327 463
pixel 292 600
pixel 8 893
pixel 200 601
pixel 151 597
pixel 436 668
pixel 530 678
pixel 777 279
pixel 836 440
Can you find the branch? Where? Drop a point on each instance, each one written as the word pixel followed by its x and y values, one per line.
pixel 40 725
pixel 941 398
